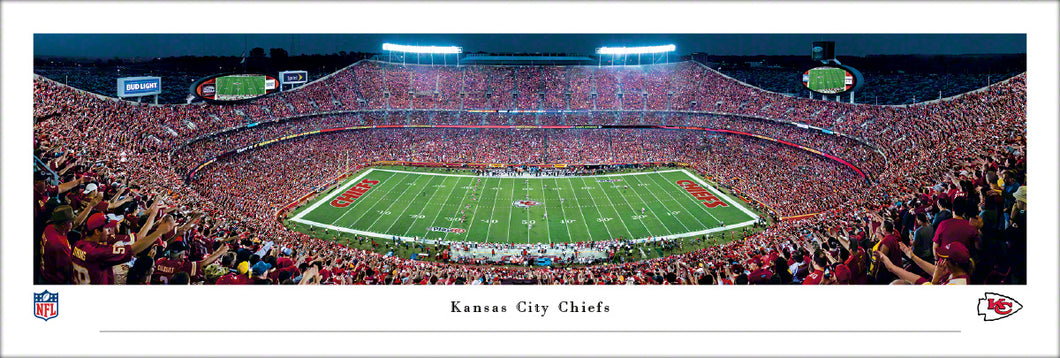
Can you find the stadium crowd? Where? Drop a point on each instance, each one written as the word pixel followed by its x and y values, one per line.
pixel 947 207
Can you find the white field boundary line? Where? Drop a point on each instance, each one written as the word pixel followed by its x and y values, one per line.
pixel 411 239
pixel 352 231
pixel 674 236
pixel 531 176
pixel 722 195
pixel 327 199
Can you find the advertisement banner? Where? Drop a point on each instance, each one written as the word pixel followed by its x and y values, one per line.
pixel 139 86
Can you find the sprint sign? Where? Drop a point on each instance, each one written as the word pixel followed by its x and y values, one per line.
pixel 351 194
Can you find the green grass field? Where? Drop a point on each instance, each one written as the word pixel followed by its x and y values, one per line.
pixel 240 86
pixel 462 207
pixel 827 80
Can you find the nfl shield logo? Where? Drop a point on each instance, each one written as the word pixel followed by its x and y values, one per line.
pixel 46 305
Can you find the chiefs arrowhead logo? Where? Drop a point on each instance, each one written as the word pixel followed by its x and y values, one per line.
pixel 995 306
pixel 525 203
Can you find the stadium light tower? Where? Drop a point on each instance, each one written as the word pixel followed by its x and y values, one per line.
pixel 642 50
pixel 431 50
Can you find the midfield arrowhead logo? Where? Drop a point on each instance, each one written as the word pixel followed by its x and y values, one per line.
pixel 994 306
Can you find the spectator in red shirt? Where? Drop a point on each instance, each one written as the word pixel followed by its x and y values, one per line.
pixel 842 275
pixel 817 276
pixel 888 246
pixel 95 256
pixel 235 276
pixel 759 274
pixel 178 262
pixel 954 266
pixel 55 248
pixel 957 229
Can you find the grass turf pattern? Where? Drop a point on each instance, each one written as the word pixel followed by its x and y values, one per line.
pixel 240 86
pixel 462 207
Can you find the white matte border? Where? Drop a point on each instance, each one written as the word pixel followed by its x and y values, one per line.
pixel 87 310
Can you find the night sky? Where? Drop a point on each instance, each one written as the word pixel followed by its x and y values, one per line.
pixel 164 45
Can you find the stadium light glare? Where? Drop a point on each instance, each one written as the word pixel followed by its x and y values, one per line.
pixel 635 50
pixel 422 49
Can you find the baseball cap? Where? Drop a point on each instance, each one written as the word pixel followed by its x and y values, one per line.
pixel 243 267
pixel 842 273
pixel 40 175
pixel 1021 194
pixel 115 218
pixel 62 214
pixel 956 252
pixel 260 268
pixel 96 221
pixel 90 188
pixel 177 246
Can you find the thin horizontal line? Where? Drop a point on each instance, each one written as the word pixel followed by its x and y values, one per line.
pixel 528 331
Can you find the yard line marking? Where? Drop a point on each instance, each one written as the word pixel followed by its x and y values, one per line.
pixel 395 201
pixel 703 207
pixel 527 177
pixel 652 192
pixel 723 196
pixel 631 236
pixel 381 200
pixel 356 203
pixel 489 228
pixel 328 198
pixel 384 199
pixel 477 205
pixel 544 205
pixel 528 224
pixel 431 200
pixel 410 204
pixel 597 206
pixel 577 202
pixel 680 202
pixel 657 217
pixel 471 182
pixel 510 209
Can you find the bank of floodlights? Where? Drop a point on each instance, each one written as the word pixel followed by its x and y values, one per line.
pixel 422 50
pixel 656 53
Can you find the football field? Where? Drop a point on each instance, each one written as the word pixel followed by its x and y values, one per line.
pixel 828 80
pixel 240 86
pixel 385 203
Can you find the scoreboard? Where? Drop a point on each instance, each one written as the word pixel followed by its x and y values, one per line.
pixel 831 79
pixel 226 88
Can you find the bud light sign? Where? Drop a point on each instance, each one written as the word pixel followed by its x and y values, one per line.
pixel 139 86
